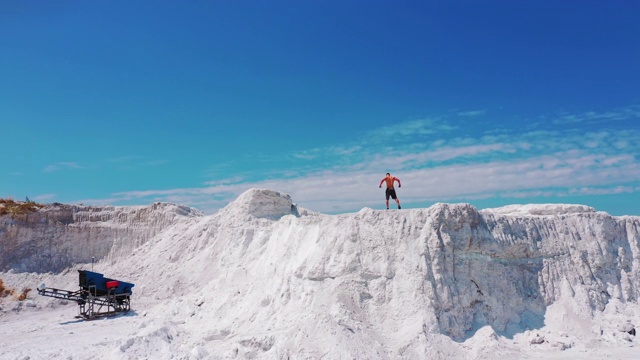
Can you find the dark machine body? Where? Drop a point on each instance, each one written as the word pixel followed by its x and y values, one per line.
pixel 97 296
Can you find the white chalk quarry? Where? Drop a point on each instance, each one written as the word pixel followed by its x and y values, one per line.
pixel 265 279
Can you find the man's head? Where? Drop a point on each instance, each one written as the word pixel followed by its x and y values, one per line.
pixel 388 174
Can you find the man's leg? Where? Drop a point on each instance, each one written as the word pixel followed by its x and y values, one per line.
pixel 387 194
pixel 398 202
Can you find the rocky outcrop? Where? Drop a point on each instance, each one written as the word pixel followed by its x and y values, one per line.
pixel 58 236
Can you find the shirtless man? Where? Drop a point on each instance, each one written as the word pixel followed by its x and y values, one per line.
pixel 391 192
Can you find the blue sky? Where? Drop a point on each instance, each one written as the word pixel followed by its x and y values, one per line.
pixel 491 103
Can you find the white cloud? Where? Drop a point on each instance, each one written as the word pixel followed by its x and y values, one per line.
pixel 625 113
pixel 61 166
pixel 44 197
pixel 316 153
pixel 604 190
pixel 352 189
pixel 464 168
pixel 411 128
pixel 472 113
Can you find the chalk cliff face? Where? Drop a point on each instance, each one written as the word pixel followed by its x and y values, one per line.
pixel 266 279
pixel 59 236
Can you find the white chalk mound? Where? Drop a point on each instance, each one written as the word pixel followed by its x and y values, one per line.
pixel 542 209
pixel 263 203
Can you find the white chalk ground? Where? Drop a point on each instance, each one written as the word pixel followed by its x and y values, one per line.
pixel 180 330
pixel 249 282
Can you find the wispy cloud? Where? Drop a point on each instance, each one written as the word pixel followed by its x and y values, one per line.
pixel 44 197
pixel 547 175
pixel 61 166
pixel 462 182
pixel 125 159
pixel 132 161
pixel 625 113
pixel 472 113
pixel 413 128
pixel 331 151
pixel 463 168
pixel 604 190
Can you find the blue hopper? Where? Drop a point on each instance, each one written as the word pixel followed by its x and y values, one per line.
pixel 103 284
